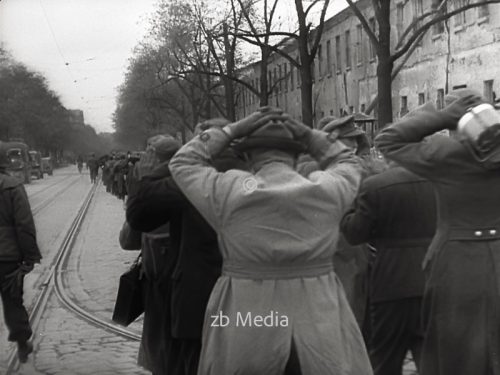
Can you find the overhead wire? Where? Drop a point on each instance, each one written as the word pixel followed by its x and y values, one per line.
pixel 66 64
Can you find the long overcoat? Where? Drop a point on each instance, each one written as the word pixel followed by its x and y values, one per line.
pixel 462 304
pixel 277 235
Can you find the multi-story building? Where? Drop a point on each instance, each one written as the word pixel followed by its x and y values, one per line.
pixel 463 52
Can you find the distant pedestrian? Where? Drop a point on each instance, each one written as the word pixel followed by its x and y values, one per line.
pixel 395 211
pixel 278 307
pixel 462 296
pixel 79 163
pixel 18 254
pixel 93 166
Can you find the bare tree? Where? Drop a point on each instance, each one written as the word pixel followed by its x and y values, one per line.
pixel 409 40
pixel 306 38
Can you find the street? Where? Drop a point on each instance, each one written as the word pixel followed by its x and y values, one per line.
pixel 64 343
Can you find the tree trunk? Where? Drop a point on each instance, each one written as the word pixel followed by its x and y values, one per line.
pixel 385 64
pixel 306 89
pixel 264 84
pixel 228 82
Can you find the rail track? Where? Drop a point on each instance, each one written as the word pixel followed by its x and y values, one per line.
pixel 54 282
pixel 40 206
pixel 55 183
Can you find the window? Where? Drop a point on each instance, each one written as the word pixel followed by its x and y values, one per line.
pixel 280 80
pixel 328 58
pixel 362 108
pixel 285 76
pixel 320 58
pixel 483 12
pixel 460 18
pixel 275 79
pixel 488 90
pixel 373 27
pixel 347 49
pixel 291 77
pixel 399 19
pixel 338 53
pixel 440 99
pixel 351 109
pixel 404 106
pixel 270 82
pixel 298 77
pixel 359 45
pixel 421 98
pixel 331 112
pixel 439 27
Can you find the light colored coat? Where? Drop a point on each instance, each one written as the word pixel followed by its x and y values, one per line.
pixel 277 233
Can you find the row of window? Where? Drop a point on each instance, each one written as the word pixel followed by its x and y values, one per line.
pixel 284 77
pixel 488 93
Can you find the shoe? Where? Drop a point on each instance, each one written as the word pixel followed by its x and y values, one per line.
pixel 24 349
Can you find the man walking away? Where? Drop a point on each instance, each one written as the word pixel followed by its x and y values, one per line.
pixel 93 166
pixel 18 253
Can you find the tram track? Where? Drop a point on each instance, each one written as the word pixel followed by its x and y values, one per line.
pixel 54 283
pixel 45 188
pixel 39 207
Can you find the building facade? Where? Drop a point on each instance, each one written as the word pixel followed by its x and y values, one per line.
pixel 463 52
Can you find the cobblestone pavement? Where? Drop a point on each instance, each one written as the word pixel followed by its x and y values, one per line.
pixel 64 343
pixel 97 259
pixel 51 223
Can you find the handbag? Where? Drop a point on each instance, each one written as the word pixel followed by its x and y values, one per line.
pixel 129 302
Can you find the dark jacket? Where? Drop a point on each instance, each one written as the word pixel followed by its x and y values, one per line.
pixel 17 228
pixel 461 299
pixel 395 211
pixel 156 200
pixel 157 263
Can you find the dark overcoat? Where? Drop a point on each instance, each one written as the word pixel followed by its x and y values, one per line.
pixel 395 211
pixel 155 201
pixel 462 304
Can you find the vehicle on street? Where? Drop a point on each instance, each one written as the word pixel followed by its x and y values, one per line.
pixel 47 165
pixel 19 160
pixel 36 164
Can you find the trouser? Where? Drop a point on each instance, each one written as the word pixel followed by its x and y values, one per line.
pixel 93 175
pixel 396 328
pixel 15 314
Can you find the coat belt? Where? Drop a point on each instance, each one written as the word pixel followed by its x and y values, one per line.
pixel 268 271
pixel 481 234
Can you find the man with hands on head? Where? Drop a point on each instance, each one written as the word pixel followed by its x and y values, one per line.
pixel 192 258
pixel 278 307
pixel 461 299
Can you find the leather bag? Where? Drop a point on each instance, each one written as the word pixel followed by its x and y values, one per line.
pixel 129 303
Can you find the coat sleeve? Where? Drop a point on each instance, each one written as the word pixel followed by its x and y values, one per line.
pixel 358 224
pixel 130 239
pixel 153 202
pixel 193 169
pixel 25 225
pixel 404 143
pixel 341 168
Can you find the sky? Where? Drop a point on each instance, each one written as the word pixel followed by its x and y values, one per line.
pixel 81 47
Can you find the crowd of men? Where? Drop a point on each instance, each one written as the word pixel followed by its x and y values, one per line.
pixel 273 248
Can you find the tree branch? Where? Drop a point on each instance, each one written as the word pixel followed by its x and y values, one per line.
pixel 371 33
pixel 421 30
